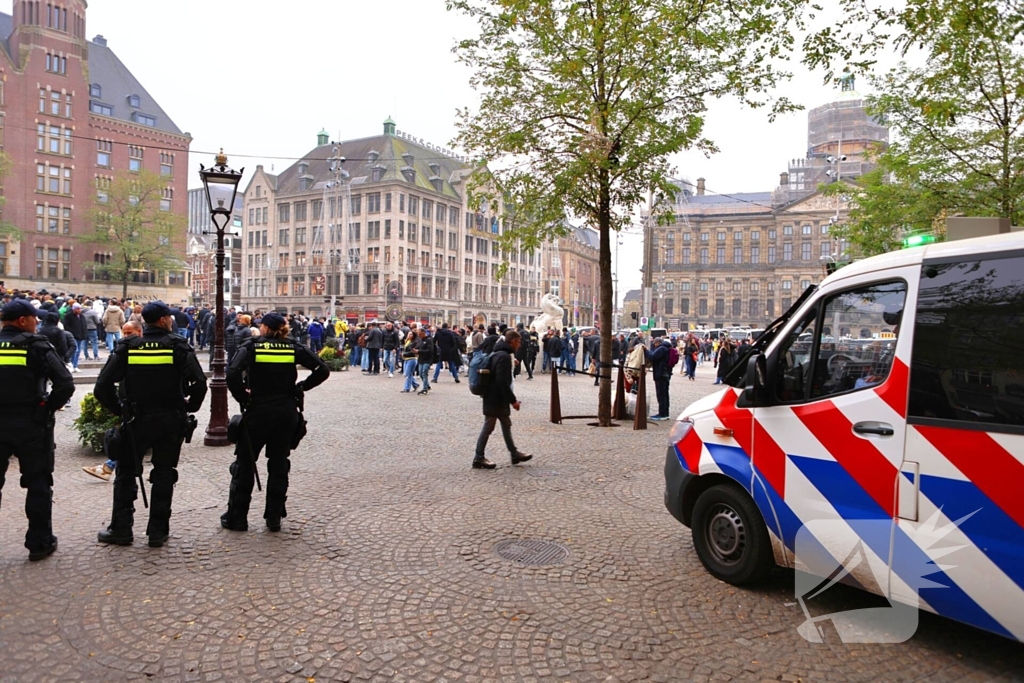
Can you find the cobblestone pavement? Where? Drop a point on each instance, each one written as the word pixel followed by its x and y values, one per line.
pixel 387 568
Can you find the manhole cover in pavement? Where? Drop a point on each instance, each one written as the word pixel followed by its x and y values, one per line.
pixel 531 553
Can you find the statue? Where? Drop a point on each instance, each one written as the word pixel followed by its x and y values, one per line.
pixel 550 314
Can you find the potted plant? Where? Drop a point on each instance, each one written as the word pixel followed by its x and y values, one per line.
pixel 93 422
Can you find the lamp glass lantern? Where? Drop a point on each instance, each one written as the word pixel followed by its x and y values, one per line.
pixel 221 185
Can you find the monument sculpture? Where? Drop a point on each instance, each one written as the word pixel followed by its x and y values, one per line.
pixel 550 314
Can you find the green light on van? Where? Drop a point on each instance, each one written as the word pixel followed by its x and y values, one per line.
pixel 918 240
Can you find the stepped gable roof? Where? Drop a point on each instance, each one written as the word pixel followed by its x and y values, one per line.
pixel 397 159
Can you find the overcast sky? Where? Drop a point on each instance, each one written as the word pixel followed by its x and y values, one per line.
pixel 261 80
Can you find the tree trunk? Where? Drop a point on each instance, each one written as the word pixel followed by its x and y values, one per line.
pixel 124 288
pixel 604 393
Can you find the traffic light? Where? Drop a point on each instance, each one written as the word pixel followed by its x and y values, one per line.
pixel 918 240
pixel 633 314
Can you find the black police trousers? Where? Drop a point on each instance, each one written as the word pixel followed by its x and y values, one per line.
pixel 32 443
pixel 164 432
pixel 269 424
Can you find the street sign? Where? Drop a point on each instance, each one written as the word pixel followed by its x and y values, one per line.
pixel 645 323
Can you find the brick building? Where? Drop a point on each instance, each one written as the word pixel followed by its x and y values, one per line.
pixel 71 117
pixel 381 223
pixel 743 258
pixel 572 272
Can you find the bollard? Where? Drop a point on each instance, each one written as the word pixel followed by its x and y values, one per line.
pixel 556 403
pixel 640 415
pixel 619 404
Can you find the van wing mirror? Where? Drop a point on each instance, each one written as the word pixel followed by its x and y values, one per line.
pixel 755 392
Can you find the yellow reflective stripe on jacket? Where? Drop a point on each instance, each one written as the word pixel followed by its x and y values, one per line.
pixel 267 356
pixel 13 357
pixel 150 356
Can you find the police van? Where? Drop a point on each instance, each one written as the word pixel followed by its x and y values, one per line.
pixel 907 446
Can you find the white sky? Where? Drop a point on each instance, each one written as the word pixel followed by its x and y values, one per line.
pixel 261 79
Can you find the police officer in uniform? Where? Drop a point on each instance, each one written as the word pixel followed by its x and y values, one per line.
pixel 262 378
pixel 162 382
pixel 27 361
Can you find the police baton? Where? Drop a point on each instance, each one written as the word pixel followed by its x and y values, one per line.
pixel 126 427
pixel 248 445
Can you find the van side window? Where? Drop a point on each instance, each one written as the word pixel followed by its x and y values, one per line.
pixel 858 341
pixel 851 347
pixel 968 358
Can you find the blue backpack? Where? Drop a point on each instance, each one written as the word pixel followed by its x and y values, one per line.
pixel 480 373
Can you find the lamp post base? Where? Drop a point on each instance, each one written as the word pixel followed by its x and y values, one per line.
pixel 216 436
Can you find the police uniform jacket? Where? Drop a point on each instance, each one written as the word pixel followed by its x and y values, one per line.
pixel 159 372
pixel 27 361
pixel 266 366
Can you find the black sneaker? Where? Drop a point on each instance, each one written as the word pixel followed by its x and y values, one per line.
pixel 483 464
pixel 42 553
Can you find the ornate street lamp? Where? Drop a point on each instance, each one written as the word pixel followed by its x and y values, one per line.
pixel 221 184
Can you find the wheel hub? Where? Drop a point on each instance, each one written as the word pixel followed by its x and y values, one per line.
pixel 726 535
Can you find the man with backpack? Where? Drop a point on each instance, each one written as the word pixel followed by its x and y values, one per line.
pixel 498 399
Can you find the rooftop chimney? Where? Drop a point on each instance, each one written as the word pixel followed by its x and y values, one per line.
pixel 100 40
pixel 700 187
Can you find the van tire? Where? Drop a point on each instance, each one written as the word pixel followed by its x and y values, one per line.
pixel 730 536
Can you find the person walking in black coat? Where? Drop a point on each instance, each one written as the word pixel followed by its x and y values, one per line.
pixel 447 349
pixel 54 334
pixel 724 360
pixel 498 399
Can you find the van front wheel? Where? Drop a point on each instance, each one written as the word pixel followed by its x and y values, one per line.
pixel 729 535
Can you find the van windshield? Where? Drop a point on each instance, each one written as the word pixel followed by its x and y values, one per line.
pixel 736 375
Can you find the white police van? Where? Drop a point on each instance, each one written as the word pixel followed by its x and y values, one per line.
pixel 905 444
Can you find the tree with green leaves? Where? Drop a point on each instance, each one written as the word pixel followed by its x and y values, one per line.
pixel 130 224
pixel 8 231
pixel 584 101
pixel 957 121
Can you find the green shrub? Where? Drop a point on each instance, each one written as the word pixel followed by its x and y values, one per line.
pixel 334 360
pixel 93 422
pixel 332 343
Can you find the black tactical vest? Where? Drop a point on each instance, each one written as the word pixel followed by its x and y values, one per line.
pixel 153 380
pixel 272 367
pixel 21 386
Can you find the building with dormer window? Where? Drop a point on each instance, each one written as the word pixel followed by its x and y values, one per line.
pixel 388 228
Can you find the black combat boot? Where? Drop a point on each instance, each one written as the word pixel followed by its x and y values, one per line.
pixel 120 530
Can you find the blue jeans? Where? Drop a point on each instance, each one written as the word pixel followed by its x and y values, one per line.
pixel 425 375
pixel 410 375
pixel 451 367
pixel 544 362
pixel 94 342
pixel 112 338
pixel 365 359
pixel 316 345
pixel 389 360
pixel 81 346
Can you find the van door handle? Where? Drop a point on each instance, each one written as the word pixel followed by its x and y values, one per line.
pixel 879 428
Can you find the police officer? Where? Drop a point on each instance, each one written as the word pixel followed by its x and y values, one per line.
pixel 27 361
pixel 262 378
pixel 162 381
